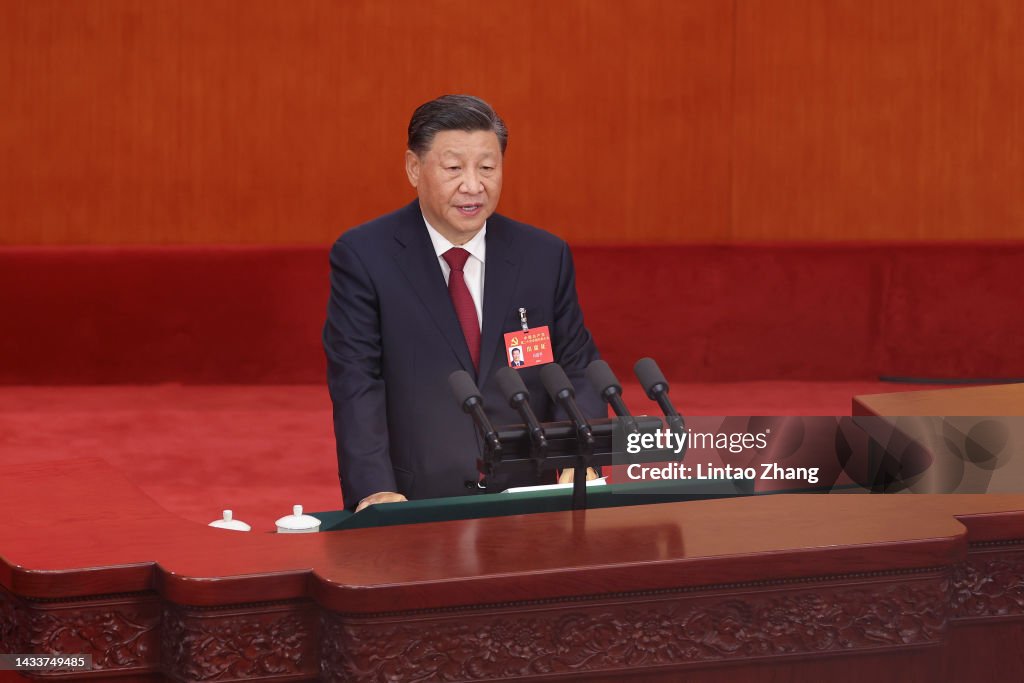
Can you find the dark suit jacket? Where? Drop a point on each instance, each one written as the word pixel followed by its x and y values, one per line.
pixel 392 340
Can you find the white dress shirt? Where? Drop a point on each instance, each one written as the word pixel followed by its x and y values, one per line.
pixel 473 271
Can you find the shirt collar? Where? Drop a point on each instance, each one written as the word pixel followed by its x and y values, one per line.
pixel 477 247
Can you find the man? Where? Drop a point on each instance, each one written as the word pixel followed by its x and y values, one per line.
pixel 432 288
pixel 517 357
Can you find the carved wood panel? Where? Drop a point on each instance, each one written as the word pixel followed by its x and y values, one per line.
pixel 296 641
pixel 11 638
pixel 991 582
pixel 619 634
pixel 121 632
pixel 278 641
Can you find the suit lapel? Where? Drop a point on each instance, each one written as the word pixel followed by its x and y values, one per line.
pixel 418 263
pixel 501 274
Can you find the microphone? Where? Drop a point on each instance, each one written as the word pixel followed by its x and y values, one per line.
pixel 469 399
pixel 656 387
pixel 513 389
pixel 601 377
pixel 560 389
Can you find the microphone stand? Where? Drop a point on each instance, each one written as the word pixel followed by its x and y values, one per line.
pixel 518 397
pixel 579 472
pixel 561 391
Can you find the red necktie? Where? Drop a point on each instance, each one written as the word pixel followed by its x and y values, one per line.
pixel 465 309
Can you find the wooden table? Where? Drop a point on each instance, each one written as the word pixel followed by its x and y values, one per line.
pixel 1002 399
pixel 780 588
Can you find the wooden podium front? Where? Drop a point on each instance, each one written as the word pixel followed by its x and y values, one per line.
pixel 781 588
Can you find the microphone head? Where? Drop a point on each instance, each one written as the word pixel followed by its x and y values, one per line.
pixel 511 385
pixel 555 380
pixel 650 376
pixel 463 388
pixel 601 377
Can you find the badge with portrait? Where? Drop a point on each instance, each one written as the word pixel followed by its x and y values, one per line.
pixel 526 348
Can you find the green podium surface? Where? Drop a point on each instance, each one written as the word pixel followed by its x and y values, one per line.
pixel 529 502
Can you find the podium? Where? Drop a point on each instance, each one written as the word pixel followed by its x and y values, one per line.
pixel 529 502
pixel 773 587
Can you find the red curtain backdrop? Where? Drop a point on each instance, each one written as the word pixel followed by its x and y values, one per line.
pixel 637 121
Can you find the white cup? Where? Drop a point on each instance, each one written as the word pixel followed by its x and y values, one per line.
pixel 298 523
pixel 228 523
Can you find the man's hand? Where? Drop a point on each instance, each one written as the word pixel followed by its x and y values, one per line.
pixel 382 497
pixel 567 475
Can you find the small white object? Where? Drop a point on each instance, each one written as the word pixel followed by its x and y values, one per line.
pixel 298 523
pixel 228 523
pixel 554 487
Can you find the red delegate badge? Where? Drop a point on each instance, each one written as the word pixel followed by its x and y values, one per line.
pixel 526 348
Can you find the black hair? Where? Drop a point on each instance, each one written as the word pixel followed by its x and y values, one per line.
pixel 453 112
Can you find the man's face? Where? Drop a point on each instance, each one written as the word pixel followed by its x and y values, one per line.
pixel 517 354
pixel 458 181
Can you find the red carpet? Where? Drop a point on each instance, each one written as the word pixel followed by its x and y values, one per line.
pixel 244 324
pixel 260 449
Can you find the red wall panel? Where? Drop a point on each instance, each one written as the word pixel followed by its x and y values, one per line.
pixel 880 120
pixel 641 121
pixel 247 122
